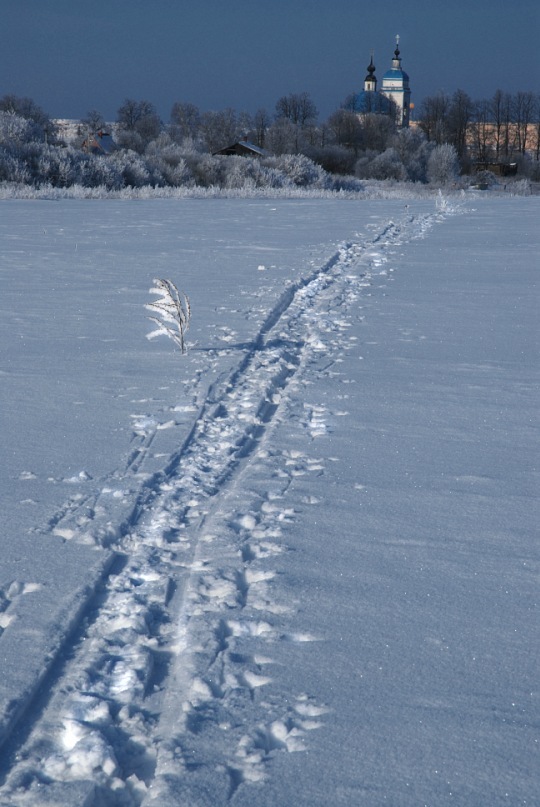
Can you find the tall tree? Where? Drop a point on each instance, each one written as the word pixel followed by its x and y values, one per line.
pixel 524 108
pixel 138 124
pixel 185 120
pixel 537 129
pixel 346 129
pixel 220 129
pixel 482 131
pixel 298 108
pixel 284 137
pixel 434 117
pixel 496 106
pixel 261 122
pixel 508 131
pixel 94 121
pixel 458 118
pixel 378 131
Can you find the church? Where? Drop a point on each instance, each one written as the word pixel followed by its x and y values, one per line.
pixel 395 93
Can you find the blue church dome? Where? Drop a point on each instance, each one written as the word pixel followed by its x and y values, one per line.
pixel 368 101
pixel 396 73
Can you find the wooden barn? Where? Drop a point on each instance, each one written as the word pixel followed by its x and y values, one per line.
pixel 242 149
pixel 499 169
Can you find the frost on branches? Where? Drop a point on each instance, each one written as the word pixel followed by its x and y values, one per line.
pixel 172 312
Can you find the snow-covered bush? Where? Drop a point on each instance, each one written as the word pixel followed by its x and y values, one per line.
pixel 521 188
pixel 40 129
pixel 387 165
pixel 13 168
pixel 414 150
pixel 99 171
pixel 132 167
pixel 443 165
pixel 207 170
pixel 15 130
pixel 166 163
pixel 486 179
pixel 301 171
pixel 347 184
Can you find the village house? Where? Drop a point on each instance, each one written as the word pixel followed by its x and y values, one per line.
pixel 243 148
pixel 99 143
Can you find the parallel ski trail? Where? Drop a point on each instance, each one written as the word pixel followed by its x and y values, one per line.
pixel 197 578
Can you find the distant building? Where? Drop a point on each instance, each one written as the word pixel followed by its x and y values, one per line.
pixel 242 149
pixel 498 168
pixel 394 97
pixel 99 143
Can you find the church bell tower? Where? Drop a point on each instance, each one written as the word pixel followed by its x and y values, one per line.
pixel 395 85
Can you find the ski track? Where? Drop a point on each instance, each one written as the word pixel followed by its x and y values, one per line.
pixel 175 650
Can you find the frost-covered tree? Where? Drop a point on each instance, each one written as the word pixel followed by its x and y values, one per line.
pixel 302 171
pixel 133 168
pixel 26 108
pixel 443 165
pixel 166 160
pixel 387 165
pixel 414 150
pixel 15 130
pixel 14 168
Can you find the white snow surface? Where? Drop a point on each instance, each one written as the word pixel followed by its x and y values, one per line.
pixel 298 565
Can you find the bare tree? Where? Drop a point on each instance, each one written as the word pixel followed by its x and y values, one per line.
pixel 458 118
pixel 378 131
pixel 433 117
pixel 220 129
pixel 496 114
pixel 524 108
pixel 505 112
pixel 537 129
pixel 261 122
pixel 185 120
pixel 283 137
pixel 93 121
pixel 346 129
pixel 298 108
pixel 138 123
pixel 482 131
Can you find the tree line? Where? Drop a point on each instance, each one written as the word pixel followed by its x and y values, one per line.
pixel 504 127
pixel 452 133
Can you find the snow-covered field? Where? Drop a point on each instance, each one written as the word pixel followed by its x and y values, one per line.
pixel 297 566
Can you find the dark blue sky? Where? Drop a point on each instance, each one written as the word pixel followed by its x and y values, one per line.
pixel 71 56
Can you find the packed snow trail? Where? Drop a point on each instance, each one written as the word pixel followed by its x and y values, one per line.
pixel 174 652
